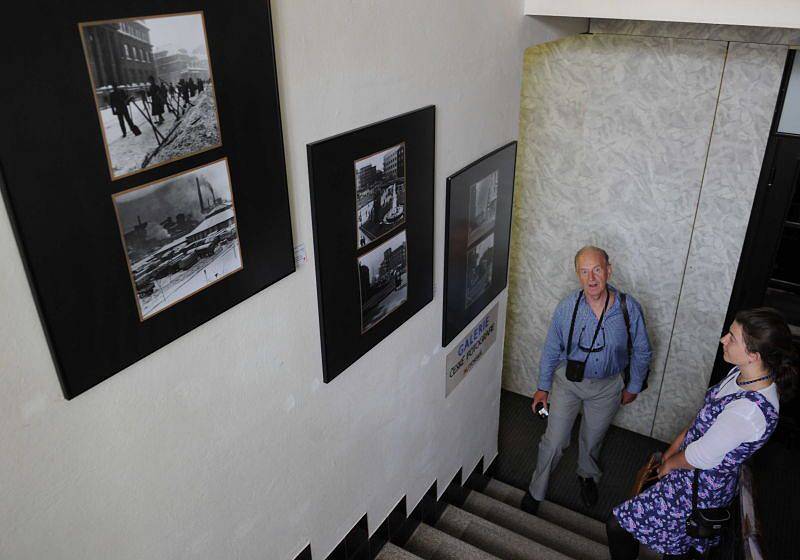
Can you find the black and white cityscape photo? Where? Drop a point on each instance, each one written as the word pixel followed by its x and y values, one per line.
pixel 480 263
pixel 380 193
pixel 383 280
pixel 153 89
pixel 180 235
pixel 482 206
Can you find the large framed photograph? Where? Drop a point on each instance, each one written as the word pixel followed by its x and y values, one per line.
pixel 152 84
pixel 143 167
pixel 372 201
pixel 478 231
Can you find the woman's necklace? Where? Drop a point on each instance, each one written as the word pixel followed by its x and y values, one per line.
pixel 740 384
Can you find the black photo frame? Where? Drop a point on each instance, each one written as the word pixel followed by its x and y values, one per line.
pixel 478 231
pixel 66 206
pixel 374 259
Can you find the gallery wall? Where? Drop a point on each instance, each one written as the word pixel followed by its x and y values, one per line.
pixel 645 139
pixel 226 443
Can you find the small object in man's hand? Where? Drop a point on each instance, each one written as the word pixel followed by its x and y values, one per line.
pixel 542 411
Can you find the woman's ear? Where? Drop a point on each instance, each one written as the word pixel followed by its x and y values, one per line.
pixel 753 357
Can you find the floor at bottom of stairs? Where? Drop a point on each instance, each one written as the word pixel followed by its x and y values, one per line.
pixel 623 453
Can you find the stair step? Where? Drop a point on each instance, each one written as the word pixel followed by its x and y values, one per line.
pixel 494 539
pixel 534 528
pixel 393 552
pixel 432 544
pixel 566 518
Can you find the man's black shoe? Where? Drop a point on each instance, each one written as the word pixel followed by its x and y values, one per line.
pixel 530 504
pixel 588 491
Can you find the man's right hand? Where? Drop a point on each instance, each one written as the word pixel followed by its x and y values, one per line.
pixel 539 397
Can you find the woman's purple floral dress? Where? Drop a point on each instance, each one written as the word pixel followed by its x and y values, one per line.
pixel 657 516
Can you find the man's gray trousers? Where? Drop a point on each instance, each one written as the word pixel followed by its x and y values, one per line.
pixel 598 400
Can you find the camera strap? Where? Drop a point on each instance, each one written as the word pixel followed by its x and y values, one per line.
pixel 596 330
pixel 572 324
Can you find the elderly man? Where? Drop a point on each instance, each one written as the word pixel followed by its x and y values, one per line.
pixel 598 334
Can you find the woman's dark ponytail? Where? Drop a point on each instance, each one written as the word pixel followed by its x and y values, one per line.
pixel 786 377
pixel 766 332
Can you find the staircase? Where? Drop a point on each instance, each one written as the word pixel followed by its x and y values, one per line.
pixel 488 524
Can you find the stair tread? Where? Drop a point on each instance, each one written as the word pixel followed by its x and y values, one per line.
pixel 493 538
pixel 565 517
pixel 430 543
pixel 568 519
pixel 547 533
pixel 391 551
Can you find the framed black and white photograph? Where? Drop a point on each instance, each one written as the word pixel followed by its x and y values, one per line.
pixel 142 214
pixel 482 206
pixel 153 87
pixel 383 280
pixel 180 236
pixel 477 236
pixel 372 204
pixel 480 265
pixel 380 193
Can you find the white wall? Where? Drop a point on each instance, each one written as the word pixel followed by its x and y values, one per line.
pixel 765 13
pixel 226 444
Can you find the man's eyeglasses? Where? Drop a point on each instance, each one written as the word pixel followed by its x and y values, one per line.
pixel 599 344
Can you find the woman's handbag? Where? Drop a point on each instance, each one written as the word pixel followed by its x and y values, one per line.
pixel 706 523
pixel 647 475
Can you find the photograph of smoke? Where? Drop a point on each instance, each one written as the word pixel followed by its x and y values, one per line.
pixel 180 236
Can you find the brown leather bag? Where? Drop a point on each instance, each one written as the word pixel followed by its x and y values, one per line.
pixel 647 475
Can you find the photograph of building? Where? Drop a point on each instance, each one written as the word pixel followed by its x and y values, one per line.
pixel 153 89
pixel 482 206
pixel 180 236
pixel 383 280
pixel 380 194
pixel 480 263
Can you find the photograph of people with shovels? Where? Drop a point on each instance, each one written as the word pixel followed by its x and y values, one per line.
pixel 154 90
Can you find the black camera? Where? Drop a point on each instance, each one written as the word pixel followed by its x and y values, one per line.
pixel 575 370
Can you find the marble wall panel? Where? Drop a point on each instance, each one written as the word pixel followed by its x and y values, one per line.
pixel 744 115
pixel 613 140
pixel 737 33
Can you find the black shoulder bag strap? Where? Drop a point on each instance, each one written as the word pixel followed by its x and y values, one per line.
pixel 626 374
pixel 572 324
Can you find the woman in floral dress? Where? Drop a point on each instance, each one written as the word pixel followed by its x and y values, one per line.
pixel 737 417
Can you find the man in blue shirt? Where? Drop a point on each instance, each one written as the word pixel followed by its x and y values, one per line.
pixel 589 336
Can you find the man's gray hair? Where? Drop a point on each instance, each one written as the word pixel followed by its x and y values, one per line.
pixel 588 248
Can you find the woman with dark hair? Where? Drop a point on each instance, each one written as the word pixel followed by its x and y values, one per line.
pixel 737 417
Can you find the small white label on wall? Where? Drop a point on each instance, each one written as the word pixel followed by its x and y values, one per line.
pixel 300 254
pixel 471 349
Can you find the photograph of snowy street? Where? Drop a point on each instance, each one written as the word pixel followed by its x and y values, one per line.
pixel 153 89
pixel 380 194
pixel 180 235
pixel 480 263
pixel 383 280
pixel 482 206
